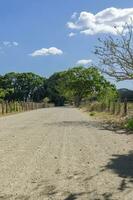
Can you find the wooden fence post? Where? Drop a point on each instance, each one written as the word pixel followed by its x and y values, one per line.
pixel 24 106
pixel 118 107
pixel 6 107
pixel 10 107
pixel 16 106
pixel 113 109
pixel 125 107
pixel 108 106
pixel 32 105
pixel 3 108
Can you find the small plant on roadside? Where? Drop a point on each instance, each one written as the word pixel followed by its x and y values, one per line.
pixel 92 113
pixel 129 124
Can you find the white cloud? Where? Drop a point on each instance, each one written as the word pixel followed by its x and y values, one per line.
pixel 84 62
pixel 74 15
pixel 15 44
pixel 71 25
pixel 102 22
pixel 47 52
pixel 9 44
pixel 72 34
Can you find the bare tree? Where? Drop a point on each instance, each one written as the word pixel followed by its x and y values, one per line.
pixel 116 54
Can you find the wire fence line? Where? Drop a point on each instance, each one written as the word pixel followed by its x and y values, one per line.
pixel 124 108
pixel 15 106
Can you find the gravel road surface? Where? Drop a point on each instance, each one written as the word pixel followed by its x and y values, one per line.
pixel 63 154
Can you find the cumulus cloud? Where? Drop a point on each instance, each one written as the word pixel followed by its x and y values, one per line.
pixel 72 34
pixel 74 15
pixel 15 44
pixel 47 52
pixel 84 62
pixel 102 22
pixel 9 44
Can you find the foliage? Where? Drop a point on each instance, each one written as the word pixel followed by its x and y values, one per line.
pixel 108 93
pixel 54 89
pixel 72 85
pixel 2 93
pixel 80 82
pixel 22 87
pixel 129 124
pixel 46 100
pixel 92 113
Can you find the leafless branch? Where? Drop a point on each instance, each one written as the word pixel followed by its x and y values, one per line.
pixel 116 54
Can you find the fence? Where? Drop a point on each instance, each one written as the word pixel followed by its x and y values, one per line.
pixel 116 107
pixel 13 107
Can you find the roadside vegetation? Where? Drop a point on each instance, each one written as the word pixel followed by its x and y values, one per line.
pixel 71 86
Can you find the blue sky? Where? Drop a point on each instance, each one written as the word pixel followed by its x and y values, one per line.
pixel 30 25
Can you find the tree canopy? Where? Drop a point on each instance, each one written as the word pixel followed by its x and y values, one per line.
pixel 79 82
pixel 22 87
pixel 54 89
pixel 72 85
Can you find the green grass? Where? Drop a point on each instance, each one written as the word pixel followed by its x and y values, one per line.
pixel 129 124
pixel 92 113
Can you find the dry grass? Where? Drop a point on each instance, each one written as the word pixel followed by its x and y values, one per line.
pixel 110 118
pixel 107 118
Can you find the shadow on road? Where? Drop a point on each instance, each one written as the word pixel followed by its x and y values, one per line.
pixel 19 197
pixel 105 196
pixel 114 128
pixel 90 124
pixel 73 196
pixel 74 124
pixel 122 165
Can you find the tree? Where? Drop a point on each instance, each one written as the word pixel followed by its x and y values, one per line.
pixel 7 84
pixel 116 54
pixel 79 82
pixel 108 93
pixel 22 87
pixel 2 94
pixel 54 89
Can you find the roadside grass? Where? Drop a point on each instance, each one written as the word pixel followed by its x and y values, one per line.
pixel 11 113
pixel 92 113
pixel 130 106
pixel 113 120
pixel 129 124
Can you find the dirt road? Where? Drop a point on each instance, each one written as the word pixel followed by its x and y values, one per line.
pixel 62 154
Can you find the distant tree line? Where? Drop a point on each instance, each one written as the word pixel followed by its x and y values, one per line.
pixel 72 85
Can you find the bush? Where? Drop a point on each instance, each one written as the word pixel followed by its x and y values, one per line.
pixel 92 113
pixel 129 124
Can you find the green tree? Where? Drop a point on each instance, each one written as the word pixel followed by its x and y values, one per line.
pixel 54 89
pixel 108 93
pixel 23 86
pixel 28 85
pixel 80 82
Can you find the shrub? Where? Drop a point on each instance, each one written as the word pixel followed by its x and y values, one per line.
pixel 92 113
pixel 129 124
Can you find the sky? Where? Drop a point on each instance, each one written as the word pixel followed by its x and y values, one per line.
pixel 46 36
